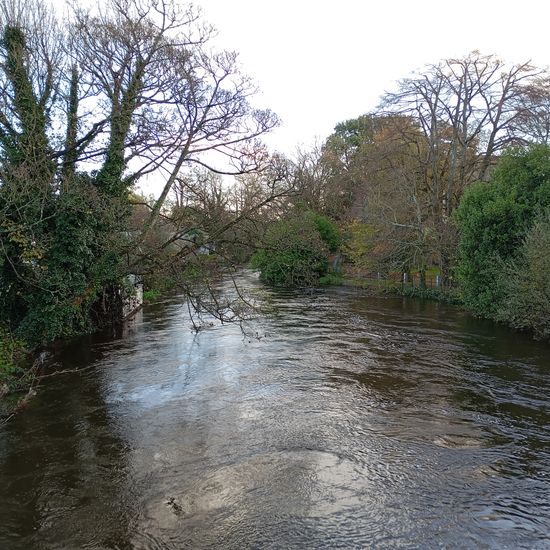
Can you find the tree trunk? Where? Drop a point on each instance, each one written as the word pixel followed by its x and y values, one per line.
pixel 422 275
pixel 445 267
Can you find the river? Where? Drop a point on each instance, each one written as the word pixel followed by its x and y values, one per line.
pixel 349 422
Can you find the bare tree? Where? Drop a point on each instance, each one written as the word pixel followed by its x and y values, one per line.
pixel 467 110
pixel 532 125
pixel 125 89
pixel 168 101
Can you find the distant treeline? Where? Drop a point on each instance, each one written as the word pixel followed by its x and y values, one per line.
pixel 450 175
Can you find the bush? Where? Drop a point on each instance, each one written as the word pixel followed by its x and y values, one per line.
pixel 327 229
pixel 527 283
pixel 151 294
pixel 12 352
pixel 493 219
pixel 331 279
pixel 435 294
pixel 48 288
pixel 292 254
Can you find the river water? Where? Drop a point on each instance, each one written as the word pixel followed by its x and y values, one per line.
pixel 350 422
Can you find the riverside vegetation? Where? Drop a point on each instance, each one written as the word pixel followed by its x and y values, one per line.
pixel 89 106
pixel 450 174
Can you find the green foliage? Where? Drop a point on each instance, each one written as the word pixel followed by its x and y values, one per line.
pixel 493 219
pixel 434 294
pixel 358 244
pixel 151 294
pixel 355 132
pixel 11 352
pixel 331 279
pixel 327 229
pixel 293 253
pixel 79 259
pixel 61 235
pixel 527 283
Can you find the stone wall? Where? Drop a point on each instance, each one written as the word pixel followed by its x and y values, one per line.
pixel 132 299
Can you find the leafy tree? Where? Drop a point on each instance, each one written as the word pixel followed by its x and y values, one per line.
pixel 380 153
pixel 328 231
pixel 358 244
pixel 292 253
pixel 121 90
pixel 467 110
pixel 527 283
pixel 494 219
pixel 404 168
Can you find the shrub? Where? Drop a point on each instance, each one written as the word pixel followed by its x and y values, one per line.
pixel 493 219
pixel 434 294
pixel 151 294
pixel 527 283
pixel 327 229
pixel 292 253
pixel 12 351
pixel 331 279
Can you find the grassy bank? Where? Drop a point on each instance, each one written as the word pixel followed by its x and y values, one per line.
pixel 387 286
pixel 451 296
pixel 151 295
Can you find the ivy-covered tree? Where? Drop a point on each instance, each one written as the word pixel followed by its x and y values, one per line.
pixel 120 91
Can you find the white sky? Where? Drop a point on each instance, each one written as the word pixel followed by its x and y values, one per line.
pixel 321 62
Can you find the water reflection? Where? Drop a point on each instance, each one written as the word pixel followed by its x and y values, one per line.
pixel 63 472
pixel 355 422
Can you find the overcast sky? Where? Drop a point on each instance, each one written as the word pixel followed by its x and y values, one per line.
pixel 320 62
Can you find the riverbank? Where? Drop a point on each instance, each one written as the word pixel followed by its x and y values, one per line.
pixel 20 363
pixel 453 296
pixel 18 373
pixel 14 358
pixel 381 286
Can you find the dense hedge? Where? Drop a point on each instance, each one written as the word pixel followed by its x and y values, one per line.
pixel 503 249
pixel 294 251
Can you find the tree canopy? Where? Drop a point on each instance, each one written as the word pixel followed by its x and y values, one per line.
pixel 494 218
pixel 119 91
